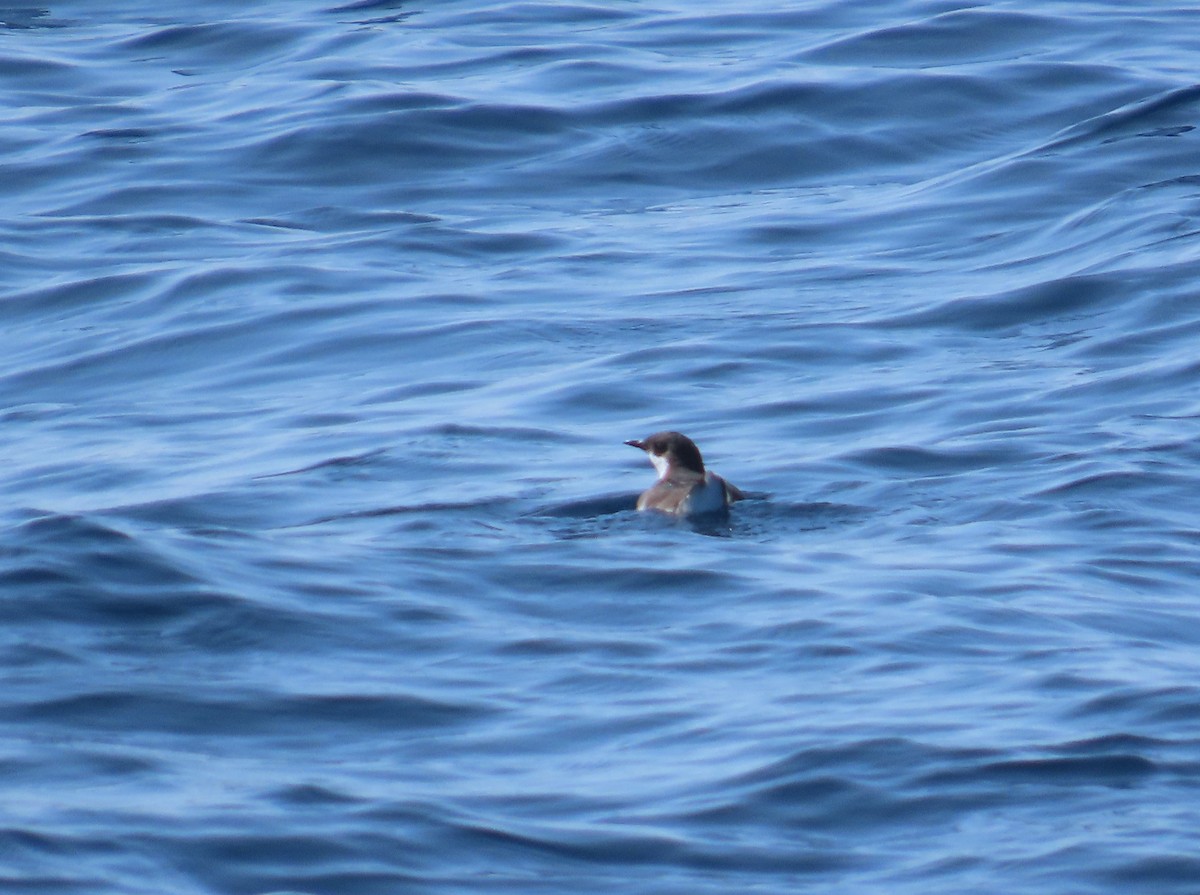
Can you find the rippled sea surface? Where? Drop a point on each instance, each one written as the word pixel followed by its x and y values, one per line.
pixel 323 326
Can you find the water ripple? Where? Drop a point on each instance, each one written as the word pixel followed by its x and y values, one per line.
pixel 325 326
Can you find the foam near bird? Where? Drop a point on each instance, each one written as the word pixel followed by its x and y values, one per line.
pixel 684 486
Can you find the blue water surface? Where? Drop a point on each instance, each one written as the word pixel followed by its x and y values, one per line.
pixel 323 326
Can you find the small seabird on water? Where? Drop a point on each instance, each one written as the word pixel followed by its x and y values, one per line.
pixel 684 486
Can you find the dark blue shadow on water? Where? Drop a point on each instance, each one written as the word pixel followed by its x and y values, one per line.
pixel 606 505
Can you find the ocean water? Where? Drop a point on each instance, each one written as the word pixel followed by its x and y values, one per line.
pixel 323 326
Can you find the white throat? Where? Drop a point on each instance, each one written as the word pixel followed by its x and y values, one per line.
pixel 660 464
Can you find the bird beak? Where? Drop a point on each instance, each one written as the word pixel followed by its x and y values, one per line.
pixel 637 444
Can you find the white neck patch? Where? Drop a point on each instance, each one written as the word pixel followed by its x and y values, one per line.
pixel 660 463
